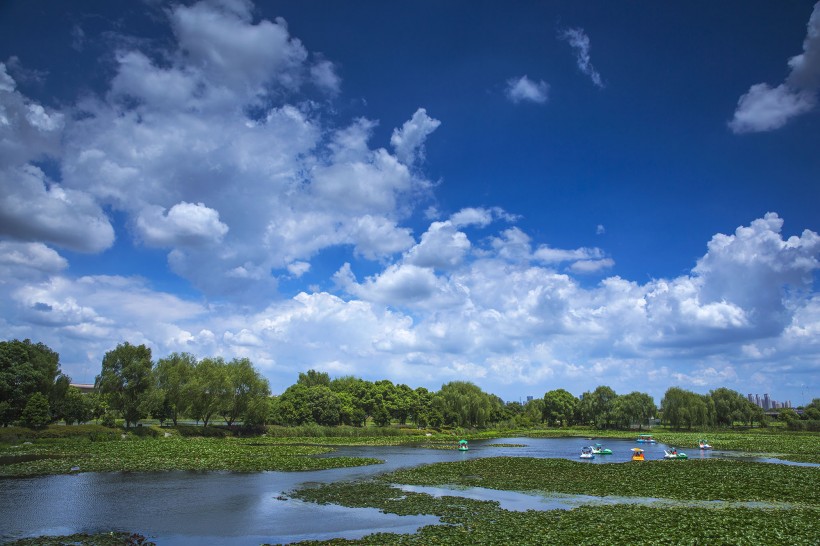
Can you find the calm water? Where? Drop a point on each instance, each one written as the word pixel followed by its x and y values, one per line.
pixel 238 509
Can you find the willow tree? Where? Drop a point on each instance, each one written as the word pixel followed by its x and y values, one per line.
pixel 125 380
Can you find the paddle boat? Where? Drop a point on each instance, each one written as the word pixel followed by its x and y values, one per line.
pixel 586 453
pixel 462 445
pixel 598 449
pixel 637 454
pixel 646 439
pixel 674 454
pixel 703 444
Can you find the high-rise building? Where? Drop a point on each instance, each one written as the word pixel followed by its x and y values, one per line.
pixel 751 398
pixel 767 402
pixel 757 401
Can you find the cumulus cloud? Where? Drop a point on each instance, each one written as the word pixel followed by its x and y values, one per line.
pixel 579 41
pixel 184 224
pixel 765 108
pixel 409 140
pixel 205 147
pixel 34 209
pixel 524 89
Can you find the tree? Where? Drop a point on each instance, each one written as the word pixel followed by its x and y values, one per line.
pixel 25 368
pixel 682 408
pixel 559 407
pixel 172 375
pixel 36 413
pixel 603 404
pixel 313 378
pixel 125 378
pixel 634 408
pixel 730 406
pixel 300 405
pixel 207 388
pixel 244 387
pixel 75 408
pixel 463 404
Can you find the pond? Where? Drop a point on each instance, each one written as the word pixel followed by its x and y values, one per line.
pixel 238 509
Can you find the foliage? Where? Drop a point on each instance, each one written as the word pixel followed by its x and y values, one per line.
pixel 464 404
pixel 633 408
pixel 75 407
pixel 37 413
pixel 125 378
pixel 172 375
pixel 134 454
pixel 246 391
pixel 25 368
pixel 689 521
pixel 206 388
pixel 559 407
pixel 708 479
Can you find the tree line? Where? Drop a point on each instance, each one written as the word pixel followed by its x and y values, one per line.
pixel 131 386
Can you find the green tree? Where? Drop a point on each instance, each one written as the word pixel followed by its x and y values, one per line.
pixel 172 375
pixel 603 405
pixel 245 386
pixel 25 368
pixel 125 379
pixel 75 408
pixel 313 378
pixel 559 407
pixel 208 386
pixel 463 404
pixel 682 408
pixel 730 406
pixel 634 408
pixel 36 413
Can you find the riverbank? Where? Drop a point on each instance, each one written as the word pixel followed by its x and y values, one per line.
pixel 92 448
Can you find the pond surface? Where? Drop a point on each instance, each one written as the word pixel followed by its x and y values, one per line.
pixel 238 509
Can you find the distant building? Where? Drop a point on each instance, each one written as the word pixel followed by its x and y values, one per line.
pixel 767 402
pixel 84 388
pixel 757 401
pixel 529 399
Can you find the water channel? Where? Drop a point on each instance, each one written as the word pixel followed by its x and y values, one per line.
pixel 239 509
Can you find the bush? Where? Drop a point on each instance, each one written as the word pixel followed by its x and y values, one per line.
pixel 811 425
pixel 202 432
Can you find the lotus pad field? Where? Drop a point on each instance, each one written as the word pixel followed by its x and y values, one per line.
pixel 788 497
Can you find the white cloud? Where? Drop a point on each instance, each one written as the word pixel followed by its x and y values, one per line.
pixel 524 89
pixel 324 76
pixel 765 108
pixel 32 208
pixel 441 247
pixel 409 140
pixel 579 41
pixel 184 224
pixel 23 260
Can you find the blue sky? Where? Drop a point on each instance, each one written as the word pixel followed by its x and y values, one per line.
pixel 548 195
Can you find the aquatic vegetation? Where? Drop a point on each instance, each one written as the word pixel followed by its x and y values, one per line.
pixel 133 454
pixel 466 521
pixel 117 538
pixel 709 479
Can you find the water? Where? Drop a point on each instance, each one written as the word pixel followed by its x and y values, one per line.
pixel 239 509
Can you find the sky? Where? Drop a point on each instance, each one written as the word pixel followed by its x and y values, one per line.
pixel 528 196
